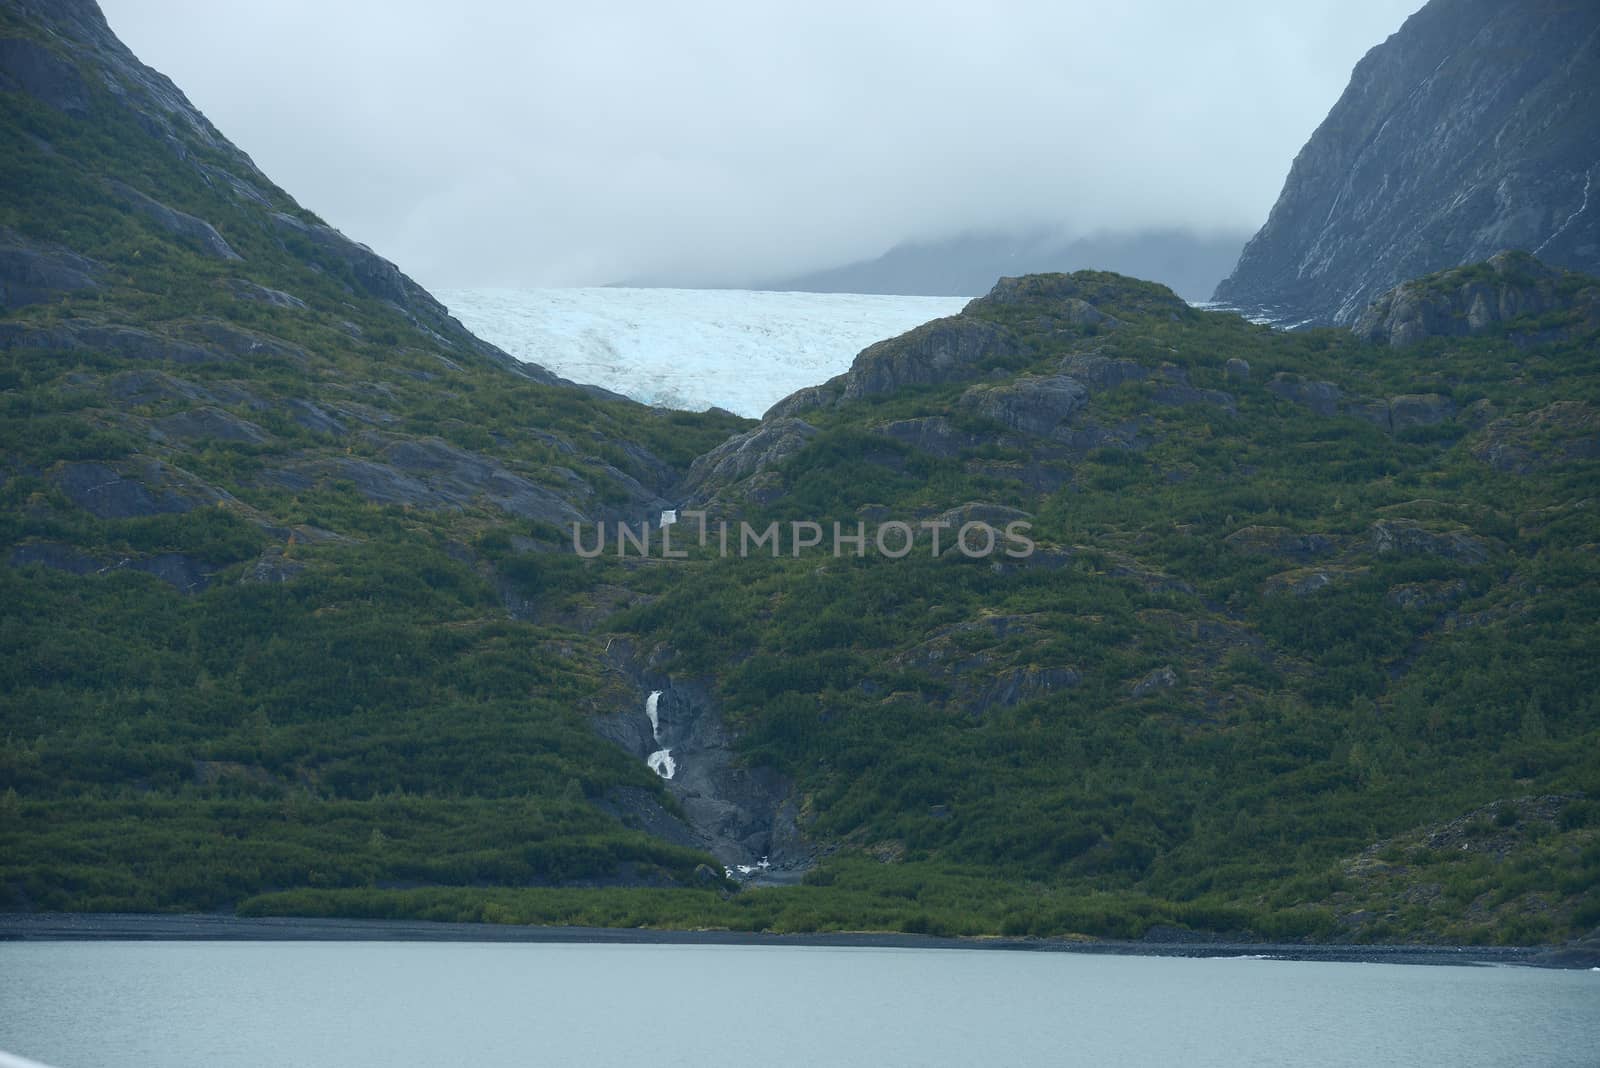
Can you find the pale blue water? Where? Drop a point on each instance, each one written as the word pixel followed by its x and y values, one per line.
pixel 222 1004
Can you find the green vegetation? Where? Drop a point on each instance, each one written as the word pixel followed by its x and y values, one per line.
pixel 1260 658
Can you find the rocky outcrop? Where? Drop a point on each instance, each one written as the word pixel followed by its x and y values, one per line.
pixel 1407 538
pixel 30 67
pixel 195 231
pixel 935 435
pixel 1472 129
pixel 212 424
pixel 1482 298
pixel 1029 404
pixel 125 342
pixel 246 290
pixel 1415 409
pixel 1098 372
pixel 1019 685
pixel 435 475
pixel 34 273
pixel 742 465
pixel 131 489
pixel 945 350
pixel 1059 308
pixel 183 573
pixel 736 812
pixel 1556 433
pixel 1391 415
pixel 272 569
pixel 1304 581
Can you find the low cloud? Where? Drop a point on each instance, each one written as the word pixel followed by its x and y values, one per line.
pixel 505 143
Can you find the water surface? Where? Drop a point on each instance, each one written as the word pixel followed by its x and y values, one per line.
pixel 225 1004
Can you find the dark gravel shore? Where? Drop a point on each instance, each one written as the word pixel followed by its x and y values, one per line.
pixel 157 927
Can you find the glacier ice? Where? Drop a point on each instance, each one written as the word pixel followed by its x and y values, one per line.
pixel 742 350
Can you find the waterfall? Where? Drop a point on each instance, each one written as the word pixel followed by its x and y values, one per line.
pixel 662 764
pixel 660 761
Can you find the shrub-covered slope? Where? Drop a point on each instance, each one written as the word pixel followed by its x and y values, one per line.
pixel 1294 595
pixel 1305 649
pixel 265 521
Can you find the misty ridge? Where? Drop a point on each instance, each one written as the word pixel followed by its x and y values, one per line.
pixel 891 150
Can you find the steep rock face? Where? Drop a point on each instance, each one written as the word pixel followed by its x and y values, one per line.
pixel 1473 129
pixel 1480 298
pixel 738 813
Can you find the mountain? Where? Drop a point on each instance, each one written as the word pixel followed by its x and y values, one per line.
pixel 1296 642
pixel 273 524
pixel 1475 128
pixel 966 266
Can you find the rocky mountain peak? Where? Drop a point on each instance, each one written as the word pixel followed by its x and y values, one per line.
pixel 1474 128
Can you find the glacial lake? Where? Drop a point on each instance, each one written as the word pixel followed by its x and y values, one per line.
pixel 225 1004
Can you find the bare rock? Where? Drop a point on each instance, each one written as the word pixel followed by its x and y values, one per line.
pixel 1029 404
pixel 1018 685
pixel 808 399
pixel 933 434
pixel 1404 537
pixel 277 298
pixel 1477 299
pixel 944 350
pixel 272 569
pixel 139 489
pixel 1304 581
pixel 744 457
pixel 1557 433
pixel 195 231
pixel 30 67
pixel 212 424
pixel 315 418
pixel 1103 372
pixel 125 342
pixel 34 273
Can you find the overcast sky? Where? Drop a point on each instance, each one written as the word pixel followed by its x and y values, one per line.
pixel 503 142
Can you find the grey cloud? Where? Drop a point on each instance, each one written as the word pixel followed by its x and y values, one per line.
pixel 504 143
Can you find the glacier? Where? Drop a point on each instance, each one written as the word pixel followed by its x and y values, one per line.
pixel 692 349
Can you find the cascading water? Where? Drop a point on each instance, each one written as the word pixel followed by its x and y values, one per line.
pixel 660 761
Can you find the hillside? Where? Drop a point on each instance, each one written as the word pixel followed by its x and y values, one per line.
pixel 263 500
pixel 1474 128
pixel 294 623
